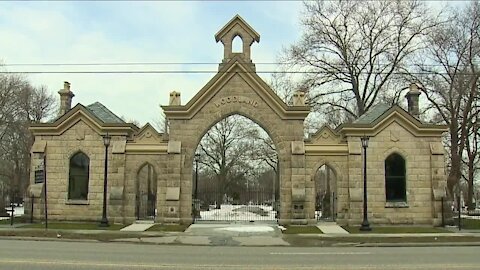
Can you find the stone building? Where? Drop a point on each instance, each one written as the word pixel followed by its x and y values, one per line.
pixel 150 174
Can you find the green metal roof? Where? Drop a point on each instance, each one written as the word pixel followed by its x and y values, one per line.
pixel 104 114
pixel 373 114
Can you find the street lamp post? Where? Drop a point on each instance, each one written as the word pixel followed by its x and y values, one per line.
pixel 365 225
pixel 197 158
pixel 104 221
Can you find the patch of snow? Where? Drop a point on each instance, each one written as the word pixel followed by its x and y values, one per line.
pixel 19 211
pixel 282 228
pixel 247 229
pixel 239 213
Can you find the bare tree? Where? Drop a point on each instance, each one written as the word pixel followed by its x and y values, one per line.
pixel 472 158
pixel 232 151
pixel 284 86
pixel 20 104
pixel 450 79
pixel 352 51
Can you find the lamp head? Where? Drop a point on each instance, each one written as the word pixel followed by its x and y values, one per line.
pixel 364 140
pixel 106 139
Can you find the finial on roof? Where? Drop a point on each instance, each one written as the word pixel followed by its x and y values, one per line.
pixel 175 99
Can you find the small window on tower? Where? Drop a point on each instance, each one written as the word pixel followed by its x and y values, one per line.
pixel 237 45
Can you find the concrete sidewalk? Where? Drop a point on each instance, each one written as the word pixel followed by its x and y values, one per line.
pixel 245 235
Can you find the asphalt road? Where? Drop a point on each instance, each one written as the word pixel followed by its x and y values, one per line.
pixel 52 255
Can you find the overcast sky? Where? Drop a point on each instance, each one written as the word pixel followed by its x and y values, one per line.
pixel 120 32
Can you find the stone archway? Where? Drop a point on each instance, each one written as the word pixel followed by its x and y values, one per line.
pixel 325 180
pixel 237 89
pixel 237 180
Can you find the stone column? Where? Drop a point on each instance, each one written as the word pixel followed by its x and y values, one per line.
pixel 298 207
pixel 171 209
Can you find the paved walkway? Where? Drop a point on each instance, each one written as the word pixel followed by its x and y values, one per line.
pixel 242 234
pixel 220 235
pixel 331 228
pixel 137 227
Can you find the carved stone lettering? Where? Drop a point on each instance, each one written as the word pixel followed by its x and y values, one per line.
pixel 235 99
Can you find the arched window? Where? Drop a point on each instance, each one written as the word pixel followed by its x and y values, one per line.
pixel 237 45
pixel 146 200
pixel 78 177
pixel 395 184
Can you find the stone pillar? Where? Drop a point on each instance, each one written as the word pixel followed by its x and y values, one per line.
pixel 298 207
pixel 65 99
pixel 171 208
pixel 412 99
pixel 355 181
pixel 437 171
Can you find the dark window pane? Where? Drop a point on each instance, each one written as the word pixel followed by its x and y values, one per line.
pixel 78 177
pixel 395 186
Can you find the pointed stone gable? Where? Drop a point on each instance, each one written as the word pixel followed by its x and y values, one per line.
pixel 240 85
pixel 148 135
pixel 325 135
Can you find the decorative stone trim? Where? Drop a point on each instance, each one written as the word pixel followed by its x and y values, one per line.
pixel 396 205
pixel 174 147
pixel 298 148
pixel 77 202
pixel 173 194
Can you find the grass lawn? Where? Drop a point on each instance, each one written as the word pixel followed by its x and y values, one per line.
pixel 396 229
pixel 74 226
pixel 301 229
pixel 471 224
pixel 167 228
pixel 5 221
pixel 20 219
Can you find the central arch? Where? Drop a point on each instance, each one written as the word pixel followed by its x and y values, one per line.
pixel 237 89
pixel 237 179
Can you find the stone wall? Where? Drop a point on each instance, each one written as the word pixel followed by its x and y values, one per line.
pixel 59 149
pixel 421 207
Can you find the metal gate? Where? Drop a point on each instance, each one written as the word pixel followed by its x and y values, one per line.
pixel 248 206
pixel 325 206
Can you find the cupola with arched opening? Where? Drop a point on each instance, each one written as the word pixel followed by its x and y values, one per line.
pixel 237 29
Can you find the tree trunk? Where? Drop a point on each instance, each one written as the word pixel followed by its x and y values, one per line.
pixel 3 211
pixel 455 173
pixel 471 170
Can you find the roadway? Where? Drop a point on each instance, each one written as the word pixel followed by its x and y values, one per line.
pixel 53 255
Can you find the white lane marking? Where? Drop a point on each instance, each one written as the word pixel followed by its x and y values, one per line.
pixel 320 253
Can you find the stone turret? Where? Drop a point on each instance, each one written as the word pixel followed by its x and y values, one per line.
pixel 237 27
pixel 65 99
pixel 412 99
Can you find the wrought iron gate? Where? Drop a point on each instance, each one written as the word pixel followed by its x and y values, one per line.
pixel 248 206
pixel 325 206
